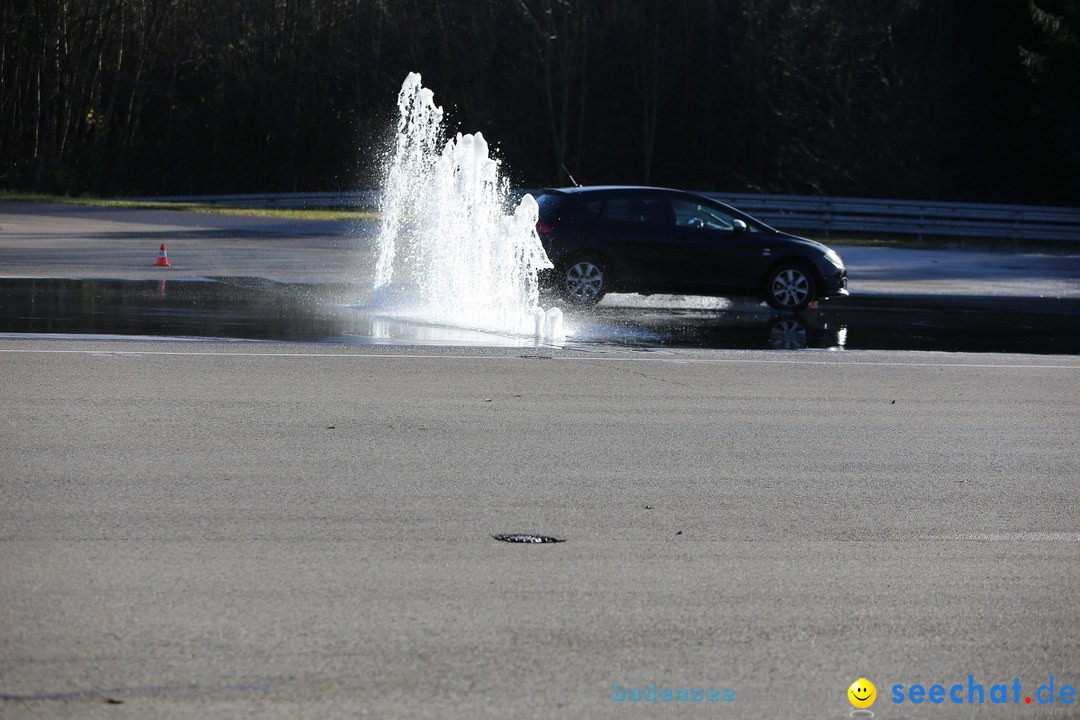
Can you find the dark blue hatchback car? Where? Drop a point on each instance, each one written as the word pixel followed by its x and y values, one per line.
pixel 654 240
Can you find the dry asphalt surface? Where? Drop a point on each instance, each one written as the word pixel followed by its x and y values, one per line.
pixel 205 530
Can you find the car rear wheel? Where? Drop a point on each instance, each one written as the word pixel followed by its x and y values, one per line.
pixel 789 287
pixel 584 280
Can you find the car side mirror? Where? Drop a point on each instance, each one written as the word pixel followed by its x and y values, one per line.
pixel 739 226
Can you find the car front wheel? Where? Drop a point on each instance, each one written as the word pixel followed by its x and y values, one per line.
pixel 789 287
pixel 584 281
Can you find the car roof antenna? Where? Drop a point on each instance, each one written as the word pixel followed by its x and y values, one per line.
pixel 567 171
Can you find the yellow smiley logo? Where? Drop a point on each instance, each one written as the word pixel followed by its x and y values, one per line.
pixel 862 693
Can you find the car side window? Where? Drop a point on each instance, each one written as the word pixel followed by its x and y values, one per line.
pixel 592 210
pixel 689 214
pixel 641 210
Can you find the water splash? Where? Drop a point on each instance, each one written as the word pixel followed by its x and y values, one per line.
pixel 447 251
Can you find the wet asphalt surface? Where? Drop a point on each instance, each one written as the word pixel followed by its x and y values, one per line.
pixel 259 309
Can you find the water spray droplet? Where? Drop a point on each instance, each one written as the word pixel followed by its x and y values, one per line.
pixel 553 325
pixel 448 253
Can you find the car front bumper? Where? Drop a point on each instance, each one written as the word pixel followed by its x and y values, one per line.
pixel 834 285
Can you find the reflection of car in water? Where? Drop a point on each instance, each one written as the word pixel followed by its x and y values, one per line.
pixel 652 240
pixel 800 333
pixel 787 334
pixel 755 329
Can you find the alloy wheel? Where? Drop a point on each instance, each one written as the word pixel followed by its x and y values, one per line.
pixel 790 288
pixel 584 282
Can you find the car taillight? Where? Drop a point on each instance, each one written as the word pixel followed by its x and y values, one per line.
pixel 543 227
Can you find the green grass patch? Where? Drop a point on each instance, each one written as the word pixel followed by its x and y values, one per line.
pixel 294 213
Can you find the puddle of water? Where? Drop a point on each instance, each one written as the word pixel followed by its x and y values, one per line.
pixel 255 309
pixel 235 309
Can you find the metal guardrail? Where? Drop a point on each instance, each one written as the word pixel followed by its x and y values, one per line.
pixel 908 217
pixel 786 212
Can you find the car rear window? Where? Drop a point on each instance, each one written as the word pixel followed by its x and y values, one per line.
pixel 551 204
pixel 592 210
pixel 551 199
pixel 635 209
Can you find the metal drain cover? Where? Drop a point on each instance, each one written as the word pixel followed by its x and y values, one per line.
pixel 522 538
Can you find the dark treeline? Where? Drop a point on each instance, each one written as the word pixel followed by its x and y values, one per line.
pixel 934 99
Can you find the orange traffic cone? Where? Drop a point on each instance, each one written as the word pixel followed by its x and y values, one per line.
pixel 162 258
